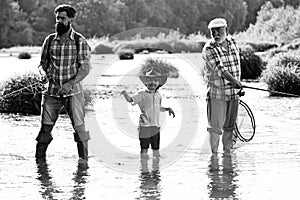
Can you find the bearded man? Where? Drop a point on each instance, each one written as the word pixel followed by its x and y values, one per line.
pixel 65 62
pixel 222 71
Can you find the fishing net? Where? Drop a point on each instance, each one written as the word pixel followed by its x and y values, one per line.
pixel 245 124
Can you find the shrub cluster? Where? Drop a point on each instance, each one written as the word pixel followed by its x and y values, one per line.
pixel 262 46
pixel 23 94
pixel 24 55
pixel 183 46
pixel 251 64
pixel 279 25
pixel 172 42
pixel 283 73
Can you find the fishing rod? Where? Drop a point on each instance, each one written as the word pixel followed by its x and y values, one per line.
pixel 16 91
pixel 271 91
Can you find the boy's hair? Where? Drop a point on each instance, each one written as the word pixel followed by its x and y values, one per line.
pixel 67 8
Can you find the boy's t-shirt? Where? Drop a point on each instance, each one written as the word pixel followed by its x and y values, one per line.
pixel 150 105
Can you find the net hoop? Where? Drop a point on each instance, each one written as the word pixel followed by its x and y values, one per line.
pixel 237 132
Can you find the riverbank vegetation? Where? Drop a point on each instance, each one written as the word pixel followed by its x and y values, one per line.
pixel 269 44
pixel 23 94
pixel 28 22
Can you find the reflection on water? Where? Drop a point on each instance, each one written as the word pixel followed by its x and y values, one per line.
pixel 48 188
pixel 80 179
pixel 222 175
pixel 150 187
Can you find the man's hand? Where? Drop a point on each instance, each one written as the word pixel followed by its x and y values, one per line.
pixel 67 87
pixel 43 74
pixel 236 85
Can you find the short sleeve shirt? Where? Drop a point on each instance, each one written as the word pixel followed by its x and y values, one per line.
pixel 149 105
pixel 217 61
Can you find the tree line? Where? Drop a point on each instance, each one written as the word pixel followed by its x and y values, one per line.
pixel 27 22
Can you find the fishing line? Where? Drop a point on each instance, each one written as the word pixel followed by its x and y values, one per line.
pixel 271 91
pixel 16 91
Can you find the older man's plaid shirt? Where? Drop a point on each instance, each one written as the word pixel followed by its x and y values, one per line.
pixel 64 62
pixel 218 60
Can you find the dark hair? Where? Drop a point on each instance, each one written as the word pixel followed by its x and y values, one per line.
pixel 67 8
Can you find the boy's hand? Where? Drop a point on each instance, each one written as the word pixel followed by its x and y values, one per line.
pixel 127 97
pixel 171 112
pixel 123 92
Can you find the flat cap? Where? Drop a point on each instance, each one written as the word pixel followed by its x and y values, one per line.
pixel 217 22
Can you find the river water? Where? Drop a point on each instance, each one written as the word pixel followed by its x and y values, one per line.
pixel 268 167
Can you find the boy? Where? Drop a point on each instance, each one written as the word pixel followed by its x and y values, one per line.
pixel 149 102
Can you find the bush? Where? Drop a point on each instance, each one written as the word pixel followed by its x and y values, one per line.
pixel 283 73
pixel 263 46
pixel 23 94
pixel 24 55
pixel 251 64
pixel 125 54
pixel 163 45
pixel 103 49
pixel 279 25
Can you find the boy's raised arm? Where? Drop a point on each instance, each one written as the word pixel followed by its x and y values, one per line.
pixel 127 97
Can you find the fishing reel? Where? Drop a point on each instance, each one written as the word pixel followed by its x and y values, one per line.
pixel 241 92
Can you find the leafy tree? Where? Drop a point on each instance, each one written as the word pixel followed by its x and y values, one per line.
pixel 294 3
pixel 253 6
pixel 160 14
pixel 234 11
pixel 28 6
pixel 185 14
pixel 136 14
pixel 98 18
pixel 280 25
pixel 42 20
pixel 14 29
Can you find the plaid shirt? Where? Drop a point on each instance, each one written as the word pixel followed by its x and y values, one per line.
pixel 218 60
pixel 64 62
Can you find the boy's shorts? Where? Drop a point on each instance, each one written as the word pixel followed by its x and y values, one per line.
pixel 149 135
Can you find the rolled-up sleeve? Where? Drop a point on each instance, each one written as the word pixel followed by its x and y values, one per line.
pixel 44 59
pixel 84 55
pixel 214 61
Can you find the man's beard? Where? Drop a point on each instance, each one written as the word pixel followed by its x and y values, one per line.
pixel 219 39
pixel 61 28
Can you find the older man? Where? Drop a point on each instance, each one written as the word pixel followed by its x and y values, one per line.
pixel 65 62
pixel 222 76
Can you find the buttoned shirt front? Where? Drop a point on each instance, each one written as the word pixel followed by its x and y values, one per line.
pixel 64 61
pixel 150 104
pixel 218 60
